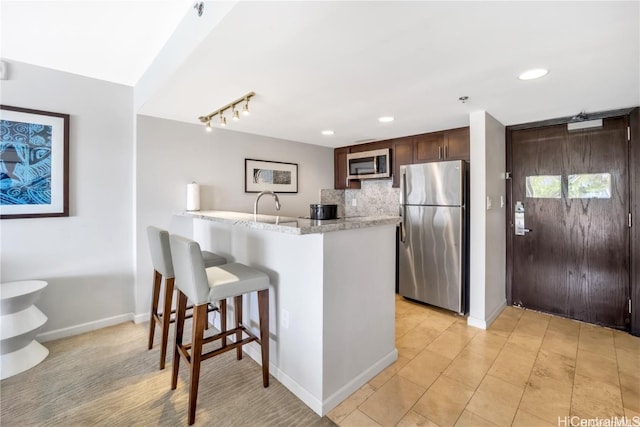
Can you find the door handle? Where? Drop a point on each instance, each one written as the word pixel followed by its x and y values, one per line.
pixel 527 230
pixel 403 207
pixel 519 220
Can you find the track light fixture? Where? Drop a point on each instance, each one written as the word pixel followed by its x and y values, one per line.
pixel 232 105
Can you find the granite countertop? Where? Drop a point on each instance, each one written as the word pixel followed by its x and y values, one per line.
pixel 291 225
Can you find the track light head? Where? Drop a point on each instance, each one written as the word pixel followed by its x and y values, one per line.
pixel 245 109
pixel 208 126
pixel 236 115
pixel 223 120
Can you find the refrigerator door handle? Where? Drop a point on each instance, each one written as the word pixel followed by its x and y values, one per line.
pixel 403 208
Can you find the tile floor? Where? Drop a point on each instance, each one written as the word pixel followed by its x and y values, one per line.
pixel 527 369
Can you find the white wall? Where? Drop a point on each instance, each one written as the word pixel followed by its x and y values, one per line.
pixel 495 220
pixel 95 275
pixel 487 228
pixel 90 258
pixel 87 258
pixel 171 154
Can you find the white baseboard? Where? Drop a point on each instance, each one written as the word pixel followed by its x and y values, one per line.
pixel 352 386
pixel 496 312
pixel 476 323
pixel 323 407
pixel 140 318
pixel 84 327
pixel 253 350
pixel 485 323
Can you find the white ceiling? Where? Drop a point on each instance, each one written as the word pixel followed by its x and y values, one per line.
pixel 113 40
pixel 340 65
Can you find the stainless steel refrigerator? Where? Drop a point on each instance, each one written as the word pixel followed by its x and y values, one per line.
pixel 432 248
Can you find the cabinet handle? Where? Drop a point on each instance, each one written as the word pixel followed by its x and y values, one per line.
pixel 446 151
pixel 439 152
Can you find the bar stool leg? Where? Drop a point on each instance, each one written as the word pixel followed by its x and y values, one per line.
pixel 263 314
pixel 223 320
pixel 237 309
pixel 166 318
pixel 180 315
pixel 157 279
pixel 199 320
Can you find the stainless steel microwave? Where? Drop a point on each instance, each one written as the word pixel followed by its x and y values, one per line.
pixel 369 164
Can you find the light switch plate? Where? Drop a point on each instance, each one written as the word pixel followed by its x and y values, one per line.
pixel 354 202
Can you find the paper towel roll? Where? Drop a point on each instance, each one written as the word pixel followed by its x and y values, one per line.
pixel 193 197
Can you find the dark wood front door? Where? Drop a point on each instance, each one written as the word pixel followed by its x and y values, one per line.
pixel 574 188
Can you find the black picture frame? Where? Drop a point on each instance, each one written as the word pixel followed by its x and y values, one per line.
pixel 263 175
pixel 34 163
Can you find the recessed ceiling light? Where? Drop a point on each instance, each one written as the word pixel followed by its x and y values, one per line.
pixel 386 119
pixel 327 132
pixel 533 74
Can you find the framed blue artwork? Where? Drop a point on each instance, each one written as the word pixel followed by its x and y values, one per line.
pixel 34 163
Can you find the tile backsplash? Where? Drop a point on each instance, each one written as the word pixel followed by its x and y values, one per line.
pixel 335 197
pixel 376 197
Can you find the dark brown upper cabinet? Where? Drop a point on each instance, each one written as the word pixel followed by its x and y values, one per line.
pixel 428 147
pixel 340 170
pixel 369 146
pixel 457 143
pixel 447 145
pixel 450 144
pixel 402 154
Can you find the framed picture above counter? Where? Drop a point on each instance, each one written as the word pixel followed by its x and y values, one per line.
pixel 261 175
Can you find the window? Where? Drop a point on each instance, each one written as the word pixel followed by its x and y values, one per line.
pixel 544 186
pixel 590 186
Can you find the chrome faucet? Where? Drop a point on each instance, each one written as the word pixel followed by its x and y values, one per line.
pixel 262 193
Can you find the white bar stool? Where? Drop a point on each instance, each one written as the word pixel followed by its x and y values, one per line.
pixel 163 267
pixel 202 286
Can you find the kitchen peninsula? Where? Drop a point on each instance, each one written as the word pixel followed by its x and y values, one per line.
pixel 332 296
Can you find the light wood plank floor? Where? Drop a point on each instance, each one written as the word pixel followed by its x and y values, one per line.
pixel 528 369
pixel 109 378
